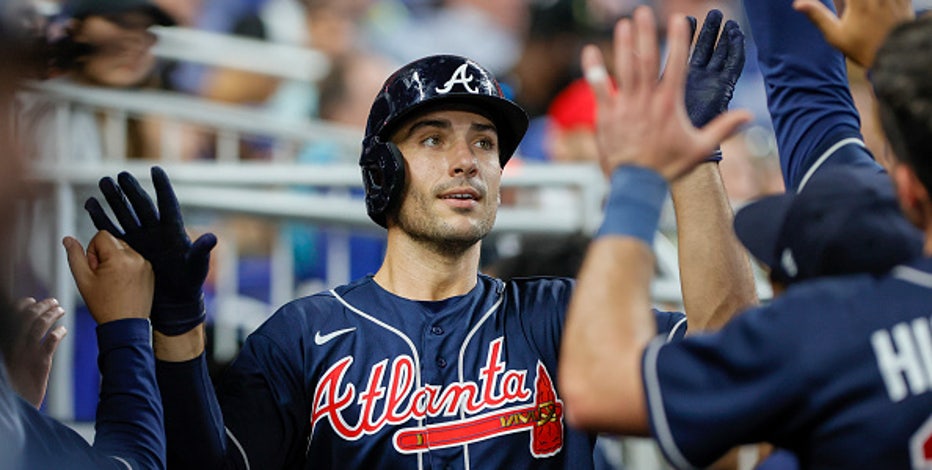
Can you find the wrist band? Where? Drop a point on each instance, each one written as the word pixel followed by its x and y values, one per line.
pixel 635 200
pixel 173 319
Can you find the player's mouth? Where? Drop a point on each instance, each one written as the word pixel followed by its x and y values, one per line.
pixel 461 198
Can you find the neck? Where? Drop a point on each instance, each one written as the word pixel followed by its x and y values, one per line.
pixel 419 270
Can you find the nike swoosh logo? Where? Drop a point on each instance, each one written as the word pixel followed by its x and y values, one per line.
pixel 320 339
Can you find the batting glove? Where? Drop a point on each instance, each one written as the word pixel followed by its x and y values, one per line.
pixel 159 236
pixel 713 69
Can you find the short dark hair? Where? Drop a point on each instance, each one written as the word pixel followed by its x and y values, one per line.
pixel 902 79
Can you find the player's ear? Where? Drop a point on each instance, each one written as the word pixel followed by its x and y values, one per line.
pixel 913 196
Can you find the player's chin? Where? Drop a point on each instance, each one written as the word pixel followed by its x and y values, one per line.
pixel 477 222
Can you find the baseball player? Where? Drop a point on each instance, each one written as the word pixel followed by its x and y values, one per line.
pixel 847 221
pixel 426 363
pixel 835 370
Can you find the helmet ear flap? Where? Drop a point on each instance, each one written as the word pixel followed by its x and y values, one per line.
pixel 383 174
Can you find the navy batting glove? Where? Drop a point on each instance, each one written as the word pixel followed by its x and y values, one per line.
pixel 713 68
pixel 159 236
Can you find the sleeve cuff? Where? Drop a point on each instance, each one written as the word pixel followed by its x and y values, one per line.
pixel 122 333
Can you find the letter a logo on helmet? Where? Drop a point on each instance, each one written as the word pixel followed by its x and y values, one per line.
pixel 458 77
pixel 431 83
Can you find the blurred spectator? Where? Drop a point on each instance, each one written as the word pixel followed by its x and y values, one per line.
pixel 549 59
pixel 329 26
pixel 107 42
pixel 347 91
pixel 103 43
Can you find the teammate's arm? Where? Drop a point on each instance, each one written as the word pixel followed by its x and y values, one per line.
pixel 117 286
pixel 715 272
pixel 810 104
pixel 646 138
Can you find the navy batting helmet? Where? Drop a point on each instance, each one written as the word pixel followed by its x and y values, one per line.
pixel 440 80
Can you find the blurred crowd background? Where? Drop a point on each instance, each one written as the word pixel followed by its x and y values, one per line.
pixel 531 45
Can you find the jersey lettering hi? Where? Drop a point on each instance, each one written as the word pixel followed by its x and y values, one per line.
pixel 367 379
pixel 904 357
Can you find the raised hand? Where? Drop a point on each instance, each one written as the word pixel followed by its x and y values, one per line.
pixel 645 122
pixel 115 281
pixel 29 360
pixel 714 69
pixel 862 27
pixel 159 235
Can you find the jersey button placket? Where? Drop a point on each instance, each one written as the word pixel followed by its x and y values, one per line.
pixel 436 330
pixel 441 362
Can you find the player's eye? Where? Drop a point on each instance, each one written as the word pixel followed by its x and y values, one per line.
pixel 485 143
pixel 431 141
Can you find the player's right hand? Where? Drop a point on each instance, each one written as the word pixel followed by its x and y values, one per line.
pixel 159 235
pixel 115 281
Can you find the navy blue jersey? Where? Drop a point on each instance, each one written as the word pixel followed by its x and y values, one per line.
pixel 129 433
pixel 358 377
pixel 12 435
pixel 813 113
pixel 839 371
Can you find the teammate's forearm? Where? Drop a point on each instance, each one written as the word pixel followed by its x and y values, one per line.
pixel 806 82
pixel 715 272
pixel 608 322
pixel 607 327
pixel 130 415
pixel 180 348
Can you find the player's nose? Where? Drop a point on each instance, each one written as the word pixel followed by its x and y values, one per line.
pixel 464 161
